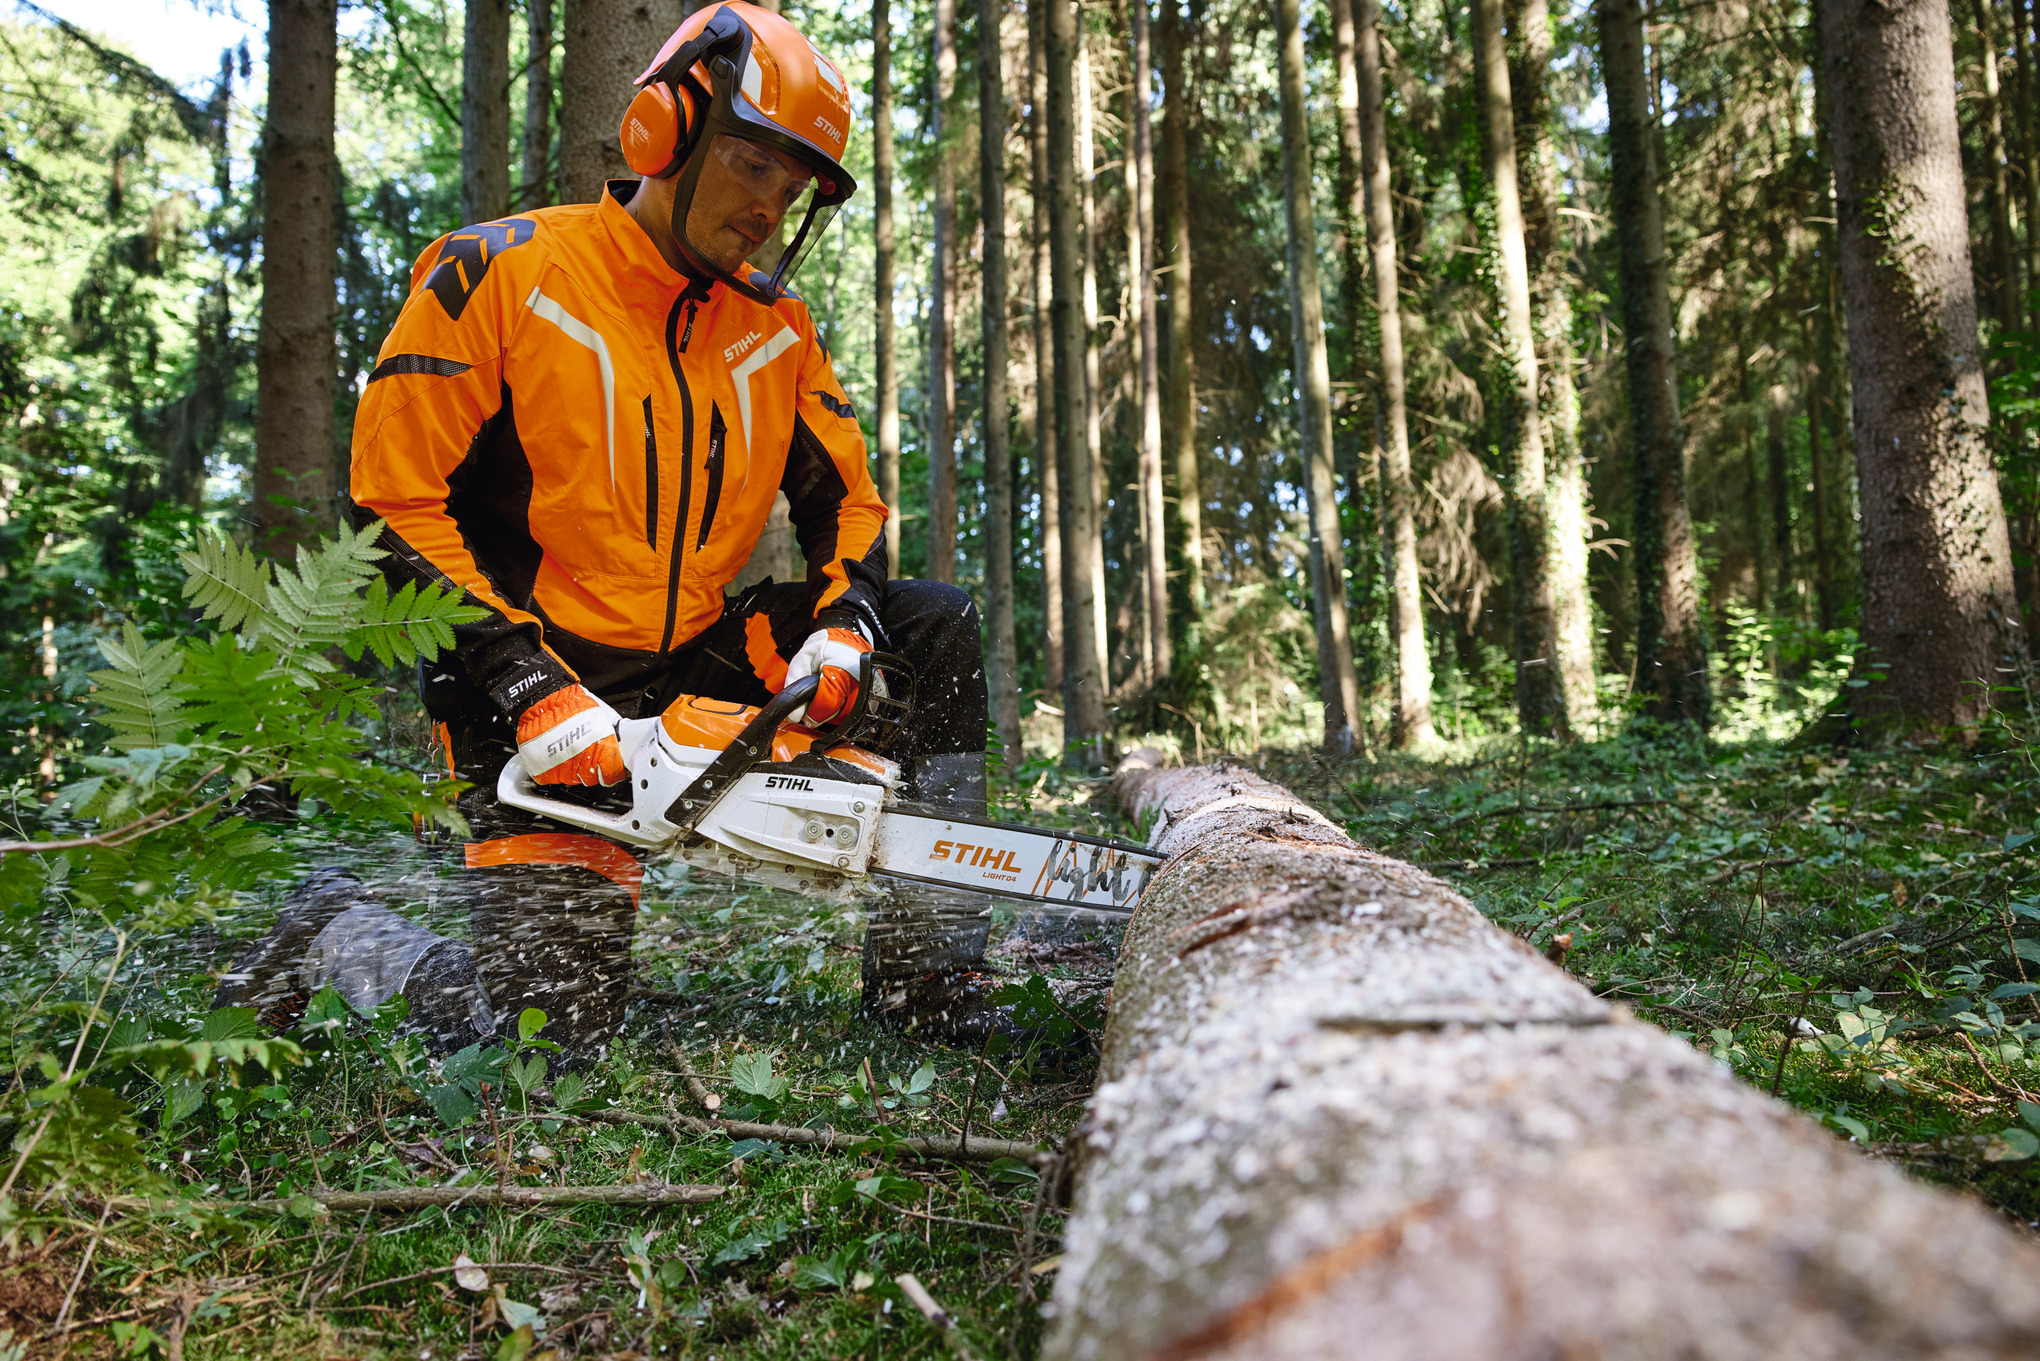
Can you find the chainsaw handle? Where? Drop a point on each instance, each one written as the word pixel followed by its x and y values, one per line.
pixel 753 745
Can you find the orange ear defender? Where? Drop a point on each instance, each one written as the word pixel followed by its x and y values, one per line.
pixel 656 129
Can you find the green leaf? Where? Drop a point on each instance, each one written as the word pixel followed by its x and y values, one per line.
pixel 2011 1145
pixel 411 625
pixel 227 582
pixel 231 1023
pixel 744 1248
pixel 1849 1125
pixel 2014 840
pixel 2030 1113
pixel 529 1022
pixel 452 1104
pixel 924 1078
pixel 2028 950
pixel 137 697
pixel 751 1074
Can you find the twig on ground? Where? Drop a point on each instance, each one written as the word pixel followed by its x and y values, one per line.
pixel 426 1197
pixel 1733 870
pixel 84 1263
pixel 976 1150
pixel 912 1288
pixel 1476 866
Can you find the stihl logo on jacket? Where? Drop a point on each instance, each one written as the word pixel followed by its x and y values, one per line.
pixel 545 428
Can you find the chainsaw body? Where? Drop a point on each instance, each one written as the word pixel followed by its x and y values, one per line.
pixel 737 790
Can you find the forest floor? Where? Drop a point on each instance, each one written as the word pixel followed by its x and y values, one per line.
pixel 1872 905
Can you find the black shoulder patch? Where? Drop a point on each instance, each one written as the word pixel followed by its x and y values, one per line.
pixel 843 409
pixel 398 364
pixel 466 257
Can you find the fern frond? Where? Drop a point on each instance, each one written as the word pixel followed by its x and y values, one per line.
pixel 411 624
pixel 138 695
pixel 228 582
pixel 313 606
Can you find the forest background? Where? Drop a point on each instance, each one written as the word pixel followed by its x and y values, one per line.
pixel 1456 409
pixel 134 307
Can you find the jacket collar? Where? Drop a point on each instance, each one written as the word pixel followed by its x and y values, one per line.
pixel 644 272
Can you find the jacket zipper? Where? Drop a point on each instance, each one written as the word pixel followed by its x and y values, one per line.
pixel 674 348
pixel 717 438
pixel 651 481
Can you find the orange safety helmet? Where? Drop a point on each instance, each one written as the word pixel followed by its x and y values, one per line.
pixel 736 70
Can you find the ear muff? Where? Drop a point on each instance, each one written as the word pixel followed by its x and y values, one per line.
pixel 656 129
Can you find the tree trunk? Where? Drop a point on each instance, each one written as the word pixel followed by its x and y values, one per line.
pixel 1045 441
pixel 1939 617
pixel 295 453
pixel 2027 109
pixel 1540 703
pixel 886 343
pixel 536 191
pixel 1338 683
pixel 1152 515
pixel 485 111
pixel 1412 658
pixel 1781 501
pixel 1093 544
pixel 1179 409
pixel 1671 660
pixel 942 311
pixel 608 42
pixel 1335 1103
pixel 1565 488
pixel 1004 661
pixel 1816 455
pixel 2004 257
pixel 1084 722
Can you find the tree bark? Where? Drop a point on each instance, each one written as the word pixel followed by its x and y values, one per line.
pixel 1152 501
pixel 536 191
pixel 485 111
pixel 1338 682
pixel 1005 650
pixel 942 310
pixel 1540 702
pixel 2027 110
pixel 1671 659
pixel 1092 544
pixel 1084 722
pixel 1336 1103
pixel 1781 501
pixel 1045 389
pixel 1816 455
pixel 1412 657
pixel 295 452
pixel 1565 489
pixel 608 42
pixel 1179 409
pixel 1939 617
pixel 886 343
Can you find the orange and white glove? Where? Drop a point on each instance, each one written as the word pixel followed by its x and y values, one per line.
pixel 569 737
pixel 836 655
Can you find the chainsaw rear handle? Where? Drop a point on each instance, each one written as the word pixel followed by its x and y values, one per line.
pixel 735 760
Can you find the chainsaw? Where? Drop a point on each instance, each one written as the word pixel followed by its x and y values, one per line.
pixel 740 791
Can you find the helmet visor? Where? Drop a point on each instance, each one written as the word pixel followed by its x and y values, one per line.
pixel 756 208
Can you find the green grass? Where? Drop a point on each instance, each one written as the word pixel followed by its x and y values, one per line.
pixel 1885 899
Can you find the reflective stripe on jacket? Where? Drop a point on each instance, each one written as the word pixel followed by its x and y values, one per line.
pixel 563 425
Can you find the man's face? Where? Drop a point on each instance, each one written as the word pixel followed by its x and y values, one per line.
pixel 742 193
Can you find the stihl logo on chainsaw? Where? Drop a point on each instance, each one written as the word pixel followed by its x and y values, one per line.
pixel 960 853
pixel 788 782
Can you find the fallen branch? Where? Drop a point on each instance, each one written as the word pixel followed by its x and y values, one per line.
pixel 977 1149
pixel 1476 866
pixel 1486 813
pixel 1744 866
pixel 427 1197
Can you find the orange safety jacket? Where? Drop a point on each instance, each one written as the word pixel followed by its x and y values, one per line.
pixel 588 443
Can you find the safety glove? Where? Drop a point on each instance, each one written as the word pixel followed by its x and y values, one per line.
pixel 569 737
pixel 836 655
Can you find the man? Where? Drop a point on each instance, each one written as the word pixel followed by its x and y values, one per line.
pixel 581 421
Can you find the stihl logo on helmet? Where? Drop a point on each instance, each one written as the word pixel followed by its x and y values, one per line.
pixel 736 71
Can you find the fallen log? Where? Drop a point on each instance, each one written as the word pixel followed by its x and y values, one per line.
pixel 1340 1113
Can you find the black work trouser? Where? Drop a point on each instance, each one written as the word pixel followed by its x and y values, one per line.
pixel 554 912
